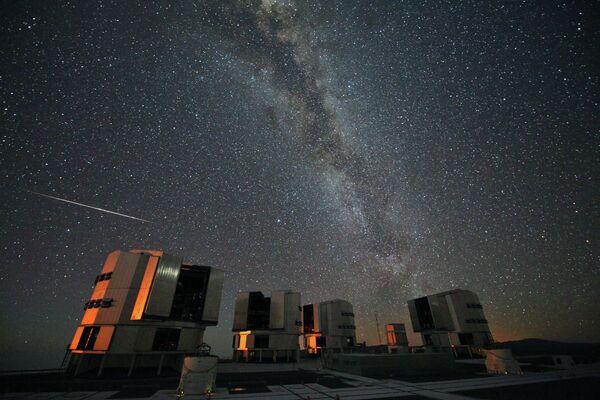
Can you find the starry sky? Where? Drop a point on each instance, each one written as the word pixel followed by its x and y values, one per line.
pixel 369 151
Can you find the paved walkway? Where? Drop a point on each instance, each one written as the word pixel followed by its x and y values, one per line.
pixel 363 388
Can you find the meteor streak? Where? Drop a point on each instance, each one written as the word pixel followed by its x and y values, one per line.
pixel 85 205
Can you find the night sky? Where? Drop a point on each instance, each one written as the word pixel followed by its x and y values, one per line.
pixel 373 152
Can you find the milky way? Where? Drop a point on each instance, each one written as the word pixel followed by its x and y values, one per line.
pixel 278 39
pixel 373 152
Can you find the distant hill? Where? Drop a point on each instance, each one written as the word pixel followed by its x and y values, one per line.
pixel 585 352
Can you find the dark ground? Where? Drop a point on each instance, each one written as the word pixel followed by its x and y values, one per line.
pixel 141 380
pixel 143 383
pixel 462 371
pixel 572 389
pixel 257 382
pixel 581 352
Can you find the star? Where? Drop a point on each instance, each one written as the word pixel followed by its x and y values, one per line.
pixel 368 152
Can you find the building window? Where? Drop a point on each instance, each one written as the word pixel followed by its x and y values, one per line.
pixel 428 340
pixel 190 293
pixel 347 314
pixel 259 311
pixel 106 303
pixel 102 277
pixel 476 321
pixel 309 318
pixel 88 338
pixel 96 303
pixel 166 339
pixel 466 338
pixel 261 341
pixel 424 313
pixel 321 341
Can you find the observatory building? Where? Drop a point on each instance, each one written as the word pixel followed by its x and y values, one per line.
pixel 329 324
pixel 267 328
pixel 147 309
pixel 450 319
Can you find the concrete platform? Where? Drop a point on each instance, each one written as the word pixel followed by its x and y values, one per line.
pixel 581 382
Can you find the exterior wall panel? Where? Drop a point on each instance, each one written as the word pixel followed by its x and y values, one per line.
pixel 283 342
pixel 188 340
pixel 104 338
pixel 250 341
pixel 161 296
pixel 144 288
pixel 240 318
pixel 111 261
pixel 145 338
pixel 317 318
pixel 125 268
pixel 212 303
pixel 124 339
pixel 414 318
pixel 292 313
pixel 130 301
pixel 110 315
pixel 76 338
pixel 440 312
pixel 277 311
